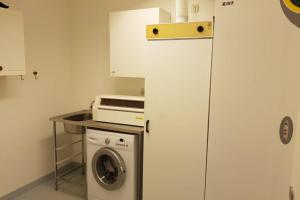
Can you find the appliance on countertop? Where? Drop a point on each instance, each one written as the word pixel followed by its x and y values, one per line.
pixel 128 110
pixel 112 166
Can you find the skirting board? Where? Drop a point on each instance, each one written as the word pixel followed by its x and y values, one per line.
pixel 33 184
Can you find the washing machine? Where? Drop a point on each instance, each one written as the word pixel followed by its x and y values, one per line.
pixel 112 165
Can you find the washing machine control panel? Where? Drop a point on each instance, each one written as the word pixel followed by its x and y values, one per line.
pixel 121 142
pixel 111 139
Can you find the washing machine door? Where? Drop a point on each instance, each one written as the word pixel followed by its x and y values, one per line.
pixel 109 169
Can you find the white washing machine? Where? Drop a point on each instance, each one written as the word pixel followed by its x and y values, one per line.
pixel 112 167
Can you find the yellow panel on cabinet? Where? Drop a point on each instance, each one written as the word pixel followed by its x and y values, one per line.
pixel 194 30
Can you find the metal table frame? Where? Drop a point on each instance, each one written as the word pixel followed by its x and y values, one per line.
pixel 59 172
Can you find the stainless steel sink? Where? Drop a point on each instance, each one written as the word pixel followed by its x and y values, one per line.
pixel 73 128
pixel 79 117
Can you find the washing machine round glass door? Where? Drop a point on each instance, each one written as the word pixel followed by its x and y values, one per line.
pixel 109 169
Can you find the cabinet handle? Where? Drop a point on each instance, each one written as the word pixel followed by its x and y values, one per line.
pixel 1 68
pixel 147 126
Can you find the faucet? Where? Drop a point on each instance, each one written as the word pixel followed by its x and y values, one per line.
pixel 92 105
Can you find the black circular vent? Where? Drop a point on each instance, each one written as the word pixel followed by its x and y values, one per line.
pixel 296 3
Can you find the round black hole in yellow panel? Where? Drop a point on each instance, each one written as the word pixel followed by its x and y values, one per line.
pixel 296 2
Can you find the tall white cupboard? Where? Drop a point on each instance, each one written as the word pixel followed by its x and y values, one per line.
pixel 128 41
pixel 255 84
pixel 177 101
pixel 12 50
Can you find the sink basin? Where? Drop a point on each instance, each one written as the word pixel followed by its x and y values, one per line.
pixel 76 129
pixel 79 117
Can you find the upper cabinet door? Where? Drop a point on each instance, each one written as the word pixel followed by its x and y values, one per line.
pixel 12 50
pixel 128 40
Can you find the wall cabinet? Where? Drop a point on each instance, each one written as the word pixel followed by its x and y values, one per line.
pixel 12 50
pixel 128 42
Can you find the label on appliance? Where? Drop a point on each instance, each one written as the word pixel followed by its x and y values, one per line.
pixel 227 3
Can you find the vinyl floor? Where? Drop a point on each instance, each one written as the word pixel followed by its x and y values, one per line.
pixel 46 191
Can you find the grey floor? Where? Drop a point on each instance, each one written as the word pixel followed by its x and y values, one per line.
pixel 46 191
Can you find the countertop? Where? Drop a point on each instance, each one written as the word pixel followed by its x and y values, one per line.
pixel 99 125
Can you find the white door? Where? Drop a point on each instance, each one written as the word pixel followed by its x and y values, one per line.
pixel 12 55
pixel 177 99
pixel 253 89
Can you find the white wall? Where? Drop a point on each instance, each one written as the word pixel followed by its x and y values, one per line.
pixel 26 134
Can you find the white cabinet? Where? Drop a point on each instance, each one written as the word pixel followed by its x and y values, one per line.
pixel 128 40
pixel 12 50
pixel 177 100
